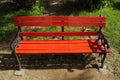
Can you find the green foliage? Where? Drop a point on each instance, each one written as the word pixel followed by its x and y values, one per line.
pixel 90 4
pixel 84 4
pixel 25 3
pixel 7 29
pixel 107 3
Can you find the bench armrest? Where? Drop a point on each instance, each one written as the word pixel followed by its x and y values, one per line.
pixel 104 40
pixel 15 43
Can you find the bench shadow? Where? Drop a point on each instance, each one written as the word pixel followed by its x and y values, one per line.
pixel 76 61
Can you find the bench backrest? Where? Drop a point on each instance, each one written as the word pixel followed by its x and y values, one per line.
pixel 63 21
pixel 59 21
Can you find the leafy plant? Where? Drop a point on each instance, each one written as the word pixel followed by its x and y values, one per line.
pixel 25 3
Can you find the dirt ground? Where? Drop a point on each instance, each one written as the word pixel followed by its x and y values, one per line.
pixel 7 72
pixel 57 74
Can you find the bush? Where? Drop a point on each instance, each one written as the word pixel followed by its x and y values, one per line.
pixel 25 3
pixel 106 3
pixel 89 4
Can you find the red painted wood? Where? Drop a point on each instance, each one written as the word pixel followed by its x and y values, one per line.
pixel 59 18
pixel 56 47
pixel 77 24
pixel 48 51
pixel 60 44
pixel 68 51
pixel 57 41
pixel 59 21
pixel 59 33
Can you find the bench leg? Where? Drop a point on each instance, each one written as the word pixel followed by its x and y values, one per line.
pixel 103 57
pixel 18 60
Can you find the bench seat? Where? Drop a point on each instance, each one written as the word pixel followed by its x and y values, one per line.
pixel 58 46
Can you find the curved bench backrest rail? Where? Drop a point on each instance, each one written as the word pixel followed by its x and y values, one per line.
pixel 43 21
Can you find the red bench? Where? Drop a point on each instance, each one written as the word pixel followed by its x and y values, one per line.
pixel 63 46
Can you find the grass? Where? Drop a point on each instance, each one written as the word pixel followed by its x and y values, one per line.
pixel 8 11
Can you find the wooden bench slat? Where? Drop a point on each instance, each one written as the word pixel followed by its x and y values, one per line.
pixel 59 33
pixel 68 24
pixel 69 51
pixel 59 46
pixel 59 21
pixel 55 41
pixel 59 18
pixel 45 47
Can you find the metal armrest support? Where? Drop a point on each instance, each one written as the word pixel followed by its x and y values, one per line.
pixel 15 43
pixel 104 41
